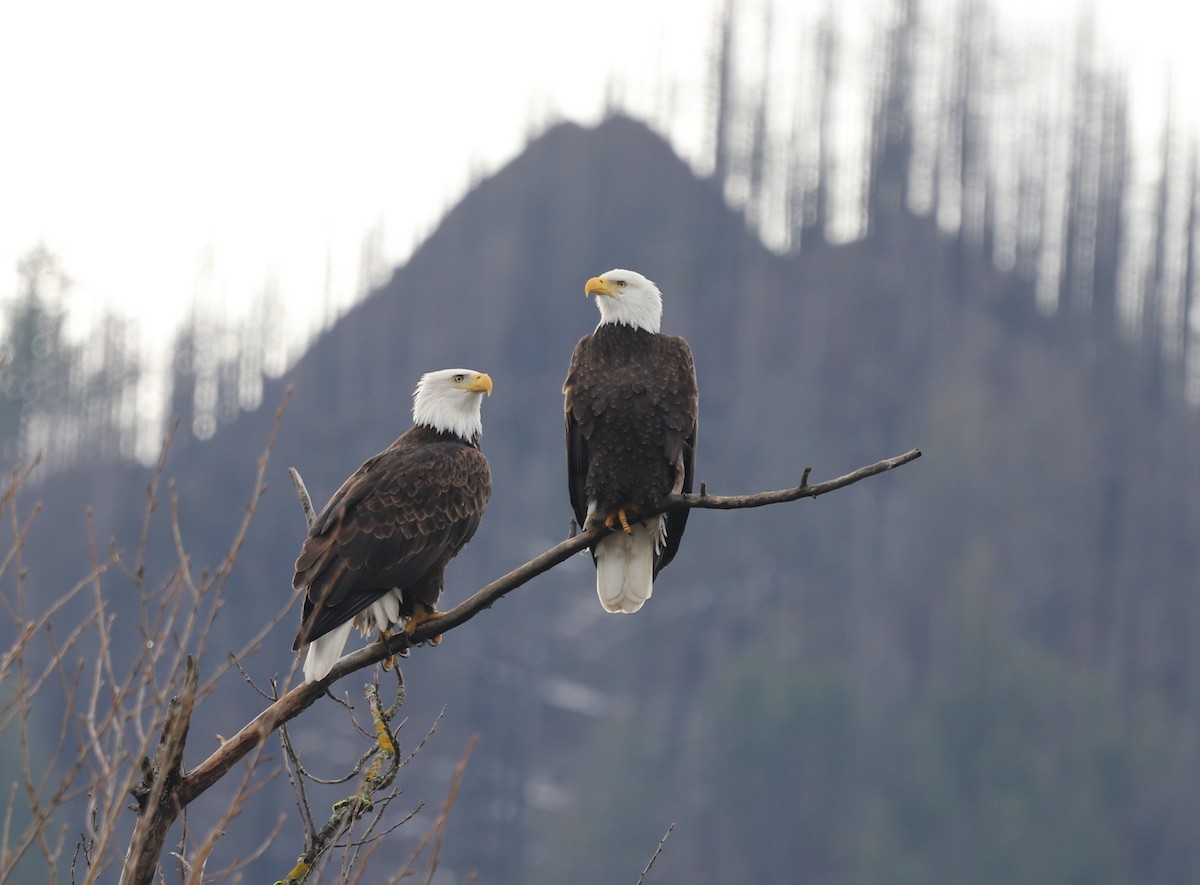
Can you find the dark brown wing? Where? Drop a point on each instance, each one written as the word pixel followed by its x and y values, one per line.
pixel 576 414
pixel 682 409
pixel 395 522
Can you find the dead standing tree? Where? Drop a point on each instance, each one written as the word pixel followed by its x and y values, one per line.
pixel 165 789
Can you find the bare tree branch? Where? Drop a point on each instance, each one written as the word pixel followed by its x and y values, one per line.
pixel 166 790
pixel 305 695
pixel 310 515
pixel 657 852
pixel 494 591
pixel 157 794
pixel 182 611
pixel 385 763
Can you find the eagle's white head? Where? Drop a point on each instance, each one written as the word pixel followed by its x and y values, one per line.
pixel 448 401
pixel 627 298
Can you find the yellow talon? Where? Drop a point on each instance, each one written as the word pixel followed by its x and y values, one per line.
pixel 622 514
pixel 390 660
pixel 421 614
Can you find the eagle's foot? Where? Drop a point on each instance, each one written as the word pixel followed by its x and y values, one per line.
pixel 390 661
pixel 622 515
pixel 421 614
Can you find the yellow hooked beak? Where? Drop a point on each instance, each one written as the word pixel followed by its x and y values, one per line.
pixel 597 286
pixel 480 382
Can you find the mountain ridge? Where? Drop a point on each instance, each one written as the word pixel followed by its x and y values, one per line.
pixel 868 601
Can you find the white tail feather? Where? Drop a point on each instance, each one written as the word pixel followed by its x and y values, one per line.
pixel 380 615
pixel 625 567
pixel 324 652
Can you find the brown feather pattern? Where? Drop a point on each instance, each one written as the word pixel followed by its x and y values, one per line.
pixel 394 523
pixel 631 408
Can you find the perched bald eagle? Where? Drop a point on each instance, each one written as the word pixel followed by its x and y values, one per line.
pixel 631 407
pixel 376 553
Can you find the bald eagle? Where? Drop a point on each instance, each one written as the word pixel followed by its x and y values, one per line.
pixel 631 406
pixel 376 553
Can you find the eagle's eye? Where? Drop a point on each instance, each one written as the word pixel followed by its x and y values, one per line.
pixel 620 284
pixel 458 379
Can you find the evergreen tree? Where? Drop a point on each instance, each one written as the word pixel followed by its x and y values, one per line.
pixel 37 360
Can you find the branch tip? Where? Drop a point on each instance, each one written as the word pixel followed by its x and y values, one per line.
pixel 310 515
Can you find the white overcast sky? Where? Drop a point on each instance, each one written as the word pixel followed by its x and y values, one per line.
pixel 144 140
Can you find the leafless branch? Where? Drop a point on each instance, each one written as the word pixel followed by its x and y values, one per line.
pixel 303 696
pixel 124 716
pixel 157 795
pixel 494 591
pixel 158 812
pixel 657 852
pixel 437 831
pixel 136 716
pixel 310 515
pixel 371 796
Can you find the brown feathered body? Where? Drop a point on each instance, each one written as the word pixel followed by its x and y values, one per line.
pixel 392 526
pixel 631 406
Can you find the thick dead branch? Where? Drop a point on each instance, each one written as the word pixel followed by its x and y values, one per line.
pixel 160 793
pixel 305 695
pixel 156 793
pixel 166 790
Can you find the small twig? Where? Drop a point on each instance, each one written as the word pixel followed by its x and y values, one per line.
pixel 244 861
pixel 437 720
pixel 310 515
pixel 378 777
pixel 249 680
pixel 657 852
pixel 246 790
pixel 782 496
pixel 152 504
pixel 439 826
pixel 220 577
pixel 296 774
pixel 345 778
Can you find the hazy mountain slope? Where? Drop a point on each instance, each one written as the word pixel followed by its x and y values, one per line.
pixel 829 689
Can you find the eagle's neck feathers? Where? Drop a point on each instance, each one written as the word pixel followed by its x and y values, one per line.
pixel 638 314
pixel 449 411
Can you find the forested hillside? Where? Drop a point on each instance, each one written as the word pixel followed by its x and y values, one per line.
pixel 982 668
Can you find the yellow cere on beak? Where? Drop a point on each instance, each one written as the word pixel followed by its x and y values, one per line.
pixel 481 383
pixel 596 286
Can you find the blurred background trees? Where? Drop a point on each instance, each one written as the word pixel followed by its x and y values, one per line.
pixel 985 669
